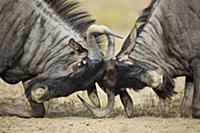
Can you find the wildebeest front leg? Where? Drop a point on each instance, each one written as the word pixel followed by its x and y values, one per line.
pixel 196 95
pixel 127 102
pixel 38 109
pixel 186 106
pixel 93 96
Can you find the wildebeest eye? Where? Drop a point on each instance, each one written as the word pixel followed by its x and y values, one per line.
pixel 71 53
pixel 76 46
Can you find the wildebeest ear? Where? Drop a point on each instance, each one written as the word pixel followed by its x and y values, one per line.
pixel 129 43
pixel 76 46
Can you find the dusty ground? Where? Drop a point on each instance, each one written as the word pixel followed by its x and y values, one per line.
pixel 111 125
pixel 68 114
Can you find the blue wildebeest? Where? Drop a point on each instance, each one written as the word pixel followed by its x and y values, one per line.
pixel 165 45
pixel 51 47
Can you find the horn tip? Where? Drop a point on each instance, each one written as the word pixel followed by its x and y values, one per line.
pixel 80 98
pixel 120 37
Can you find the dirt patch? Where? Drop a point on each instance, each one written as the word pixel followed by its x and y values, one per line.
pixel 68 115
pixel 84 124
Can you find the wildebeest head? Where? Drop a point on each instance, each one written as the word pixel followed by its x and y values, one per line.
pixel 124 72
pixel 119 74
pixel 59 52
pixel 80 70
pixel 121 68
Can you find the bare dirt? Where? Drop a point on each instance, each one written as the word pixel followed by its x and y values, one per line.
pixel 111 125
pixel 67 115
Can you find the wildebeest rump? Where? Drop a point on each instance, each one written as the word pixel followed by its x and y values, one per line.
pixel 165 45
pixel 51 47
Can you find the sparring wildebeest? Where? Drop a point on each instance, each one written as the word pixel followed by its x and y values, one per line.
pixel 51 47
pixel 164 46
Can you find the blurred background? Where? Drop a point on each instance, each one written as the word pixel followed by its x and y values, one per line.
pixel 120 16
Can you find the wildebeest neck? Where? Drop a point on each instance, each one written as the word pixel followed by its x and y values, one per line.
pixel 164 41
pixel 38 37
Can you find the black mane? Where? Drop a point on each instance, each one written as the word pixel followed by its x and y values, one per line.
pixel 69 11
pixel 144 17
pixel 141 21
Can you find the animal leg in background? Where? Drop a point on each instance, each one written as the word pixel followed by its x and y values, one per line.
pixel 38 109
pixel 196 97
pixel 186 106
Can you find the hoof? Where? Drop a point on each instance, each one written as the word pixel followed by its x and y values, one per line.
pixel 187 113
pixel 38 110
pixel 38 115
pixel 196 113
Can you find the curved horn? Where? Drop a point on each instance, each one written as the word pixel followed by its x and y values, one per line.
pixel 93 96
pixel 129 42
pixel 102 112
pixel 94 52
pixel 110 53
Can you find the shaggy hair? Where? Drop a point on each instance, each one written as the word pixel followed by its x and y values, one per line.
pixel 69 11
pixel 144 17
